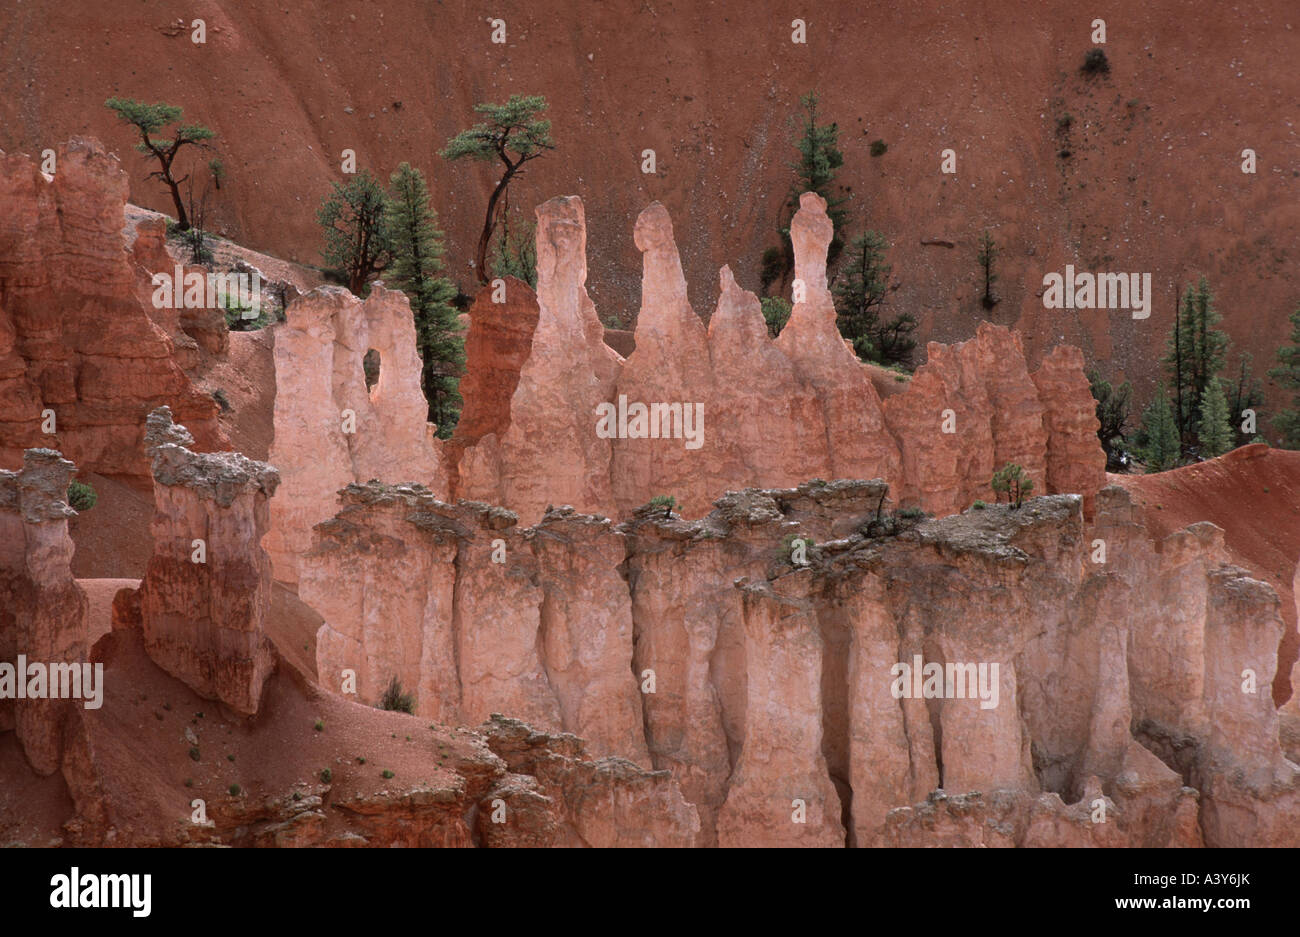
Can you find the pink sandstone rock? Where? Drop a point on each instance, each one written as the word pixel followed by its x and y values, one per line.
pixel 781 792
pixel 669 379
pixel 206 593
pixel 330 430
pixel 42 608
pixel 550 454
pixel 860 446
pixel 75 337
pixel 1075 463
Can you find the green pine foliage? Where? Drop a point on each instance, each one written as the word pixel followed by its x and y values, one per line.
pixel 1161 450
pixel 1287 374
pixel 417 264
pixel 148 119
pixel 859 292
pixel 1195 353
pixel 776 313
pixel 512 134
pixel 1113 405
pixel 353 218
pixel 1014 482
pixel 1215 430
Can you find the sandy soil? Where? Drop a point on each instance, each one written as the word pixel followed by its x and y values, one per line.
pixel 1253 493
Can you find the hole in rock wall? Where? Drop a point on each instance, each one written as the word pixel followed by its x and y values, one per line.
pixel 370 365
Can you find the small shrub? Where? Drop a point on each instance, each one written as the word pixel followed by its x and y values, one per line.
pixel 189 782
pixel 234 790
pixel 395 700
pixel 878 147
pixel 776 313
pixel 1064 121
pixel 1095 62
pixel 667 502
pixel 320 725
pixel 326 775
pixel 1012 480
pixel 979 505
pixel 222 400
pixel 297 795
pixel 81 497
pixel 360 760
pixel 773 266
pixel 911 514
pixel 1064 154
pixel 194 753
pixel 230 758
pixel 387 774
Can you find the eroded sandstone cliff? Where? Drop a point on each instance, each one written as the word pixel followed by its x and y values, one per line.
pixel 76 335
pixel 1104 700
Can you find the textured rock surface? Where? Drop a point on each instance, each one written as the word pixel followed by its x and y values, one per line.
pixel 204 622
pixel 476 615
pixel 330 430
pixel 76 336
pixel 42 609
pixel 1074 461
pixel 1083 697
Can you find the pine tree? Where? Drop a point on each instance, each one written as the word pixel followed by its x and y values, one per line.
pixel 512 134
pixel 354 219
pixel 417 262
pixel 1112 414
pixel 1246 394
pixel 819 157
pixel 149 118
pixel 859 290
pixel 1196 354
pixel 1287 422
pixel 1014 482
pixel 1215 430
pixel 1162 449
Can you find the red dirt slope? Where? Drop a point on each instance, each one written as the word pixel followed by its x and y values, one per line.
pixel 1253 493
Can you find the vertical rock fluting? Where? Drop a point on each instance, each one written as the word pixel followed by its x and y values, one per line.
pixel 42 608
pixel 781 792
pixel 330 429
pixel 764 420
pixel 206 592
pixel 75 336
pixel 475 615
pixel 760 672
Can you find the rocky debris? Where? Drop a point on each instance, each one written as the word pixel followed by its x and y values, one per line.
pixel 330 429
pixel 605 803
pixel 76 335
pixel 42 608
pixel 207 589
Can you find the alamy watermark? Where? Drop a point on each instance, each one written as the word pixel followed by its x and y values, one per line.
pixel 654 421
pixel 206 290
pixel 60 680
pixel 919 680
pixel 1098 291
